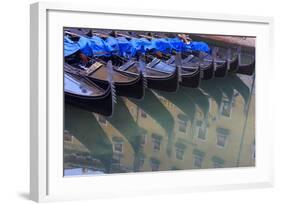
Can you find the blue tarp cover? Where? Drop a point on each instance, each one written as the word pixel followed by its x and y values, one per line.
pixel 85 48
pixel 112 43
pixel 177 44
pixel 141 45
pixel 199 46
pixel 99 46
pixel 121 46
pixel 125 47
pixel 70 47
pixel 161 44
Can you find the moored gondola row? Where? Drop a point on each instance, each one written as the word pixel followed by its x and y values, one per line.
pixel 100 64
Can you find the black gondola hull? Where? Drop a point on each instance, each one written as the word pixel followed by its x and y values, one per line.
pixel 208 72
pixel 221 70
pixel 134 89
pixel 192 80
pixel 102 105
pixel 234 65
pixel 248 69
pixel 168 84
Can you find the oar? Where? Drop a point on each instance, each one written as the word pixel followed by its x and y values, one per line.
pixel 239 55
pixel 214 57
pixel 228 58
pixel 178 62
pixel 110 80
pixel 142 70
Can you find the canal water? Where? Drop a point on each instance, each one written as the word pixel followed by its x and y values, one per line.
pixel 209 127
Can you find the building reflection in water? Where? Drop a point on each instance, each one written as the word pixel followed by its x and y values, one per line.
pixel 209 127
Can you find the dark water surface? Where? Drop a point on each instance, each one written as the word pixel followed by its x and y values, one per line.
pixel 209 127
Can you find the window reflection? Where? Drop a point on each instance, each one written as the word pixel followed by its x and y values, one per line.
pixel 143 138
pixel 198 157
pixel 201 130
pixel 222 136
pixel 182 126
pixel 226 108
pixel 117 144
pixel 180 150
pixel 156 141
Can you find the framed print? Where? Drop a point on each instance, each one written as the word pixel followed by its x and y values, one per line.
pixel 127 102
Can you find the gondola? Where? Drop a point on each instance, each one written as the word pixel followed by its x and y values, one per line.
pixel 246 68
pixel 210 64
pixel 189 72
pixel 126 83
pixel 220 66
pixel 190 75
pixel 156 74
pixel 191 66
pixel 195 59
pixel 161 76
pixel 230 55
pixel 95 96
pixel 237 64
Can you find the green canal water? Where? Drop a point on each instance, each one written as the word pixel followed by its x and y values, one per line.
pixel 209 127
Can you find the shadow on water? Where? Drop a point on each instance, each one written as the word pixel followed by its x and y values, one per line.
pixel 152 106
pixel 217 88
pixel 199 98
pixel 183 102
pixel 225 87
pixel 237 84
pixel 84 126
pixel 123 121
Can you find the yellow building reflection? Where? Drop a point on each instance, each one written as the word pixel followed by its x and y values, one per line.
pixel 209 127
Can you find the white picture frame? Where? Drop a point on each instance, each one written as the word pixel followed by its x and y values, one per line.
pixel 46 179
